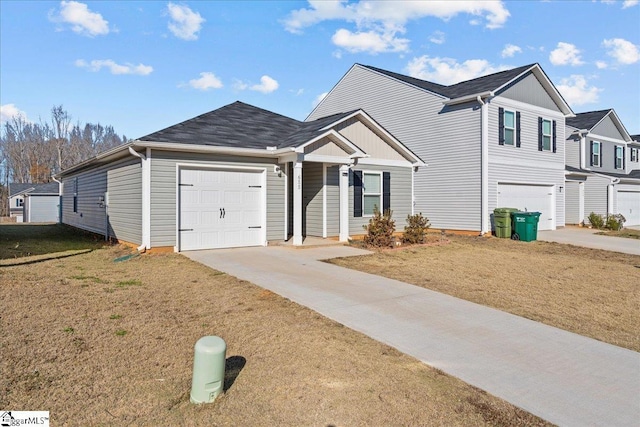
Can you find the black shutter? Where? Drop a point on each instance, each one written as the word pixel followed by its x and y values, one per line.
pixel 624 157
pixel 615 156
pixel 591 154
pixel 554 136
pixel 518 129
pixel 539 133
pixel 386 191
pixel 501 126
pixel 357 194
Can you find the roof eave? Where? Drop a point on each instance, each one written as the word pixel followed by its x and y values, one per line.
pixel 469 98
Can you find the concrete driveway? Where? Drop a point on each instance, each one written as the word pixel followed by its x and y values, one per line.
pixel 562 377
pixel 587 238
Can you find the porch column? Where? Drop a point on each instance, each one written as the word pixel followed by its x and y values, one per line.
pixel 344 202
pixel 297 203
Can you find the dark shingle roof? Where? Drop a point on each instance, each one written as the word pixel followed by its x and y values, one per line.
pixel 587 120
pixel 47 188
pixel 469 87
pixel 242 125
pixel 635 138
pixel 634 174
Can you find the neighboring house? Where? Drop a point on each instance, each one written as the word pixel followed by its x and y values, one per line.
pixel 494 141
pixel 603 170
pixel 34 202
pixel 242 176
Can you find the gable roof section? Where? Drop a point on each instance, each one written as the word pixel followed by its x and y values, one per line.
pixel 490 83
pixel 33 189
pixel 590 119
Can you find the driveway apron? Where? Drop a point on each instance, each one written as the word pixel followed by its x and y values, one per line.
pixel 588 238
pixel 562 377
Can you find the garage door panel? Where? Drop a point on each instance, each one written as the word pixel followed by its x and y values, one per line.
pixel 204 193
pixel 629 207
pixel 529 198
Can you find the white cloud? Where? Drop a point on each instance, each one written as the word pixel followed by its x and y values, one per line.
pixel 576 90
pixel 622 50
pixel 82 20
pixel 437 37
pixel 115 68
pixel 369 41
pixel 510 50
pixel 629 3
pixel 601 65
pixel 266 85
pixel 447 71
pixel 387 19
pixel 9 111
pixel 565 54
pixel 185 23
pixel 319 99
pixel 206 81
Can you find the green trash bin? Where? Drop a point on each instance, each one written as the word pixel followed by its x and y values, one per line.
pixel 525 226
pixel 502 221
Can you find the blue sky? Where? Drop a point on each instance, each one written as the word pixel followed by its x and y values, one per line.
pixel 143 66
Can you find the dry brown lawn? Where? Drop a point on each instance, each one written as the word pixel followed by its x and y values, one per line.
pixel 590 292
pixel 102 343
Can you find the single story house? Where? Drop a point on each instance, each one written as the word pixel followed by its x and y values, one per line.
pixel 34 202
pixel 242 176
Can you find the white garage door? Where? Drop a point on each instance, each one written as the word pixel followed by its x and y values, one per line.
pixel 220 209
pixel 529 198
pixel 629 206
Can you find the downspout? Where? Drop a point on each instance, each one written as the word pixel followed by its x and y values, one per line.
pixel 484 171
pixel 60 191
pixel 143 159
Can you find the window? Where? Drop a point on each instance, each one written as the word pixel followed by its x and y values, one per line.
pixel 546 135
pixel 509 127
pixel 371 192
pixel 19 202
pixel 595 154
pixel 634 154
pixel 619 157
pixel 75 195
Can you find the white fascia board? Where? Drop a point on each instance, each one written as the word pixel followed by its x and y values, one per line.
pixel 23 192
pixel 196 148
pixel 469 98
pixel 114 152
pixel 601 138
pixel 337 138
pixel 389 139
pixel 567 173
pixel 383 162
pixel 548 85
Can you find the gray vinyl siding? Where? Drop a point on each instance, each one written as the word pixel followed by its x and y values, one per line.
pixel 572 149
pixel 400 197
pixel 607 150
pixel 42 208
pixel 529 90
pixel 572 202
pixel 447 139
pixel 607 128
pixel 333 201
pixel 595 195
pixel 124 185
pixel 526 164
pixel 312 222
pixel 163 192
pixel 92 184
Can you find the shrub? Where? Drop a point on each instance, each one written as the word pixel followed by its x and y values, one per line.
pixel 596 220
pixel 416 228
pixel 615 222
pixel 380 229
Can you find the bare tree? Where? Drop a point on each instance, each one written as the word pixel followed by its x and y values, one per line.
pixel 60 120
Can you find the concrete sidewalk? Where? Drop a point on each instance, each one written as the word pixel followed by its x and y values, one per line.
pixel 562 377
pixel 587 238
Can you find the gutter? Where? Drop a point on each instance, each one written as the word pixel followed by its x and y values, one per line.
pixel 469 98
pixel 145 200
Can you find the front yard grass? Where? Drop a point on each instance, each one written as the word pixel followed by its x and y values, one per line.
pixel 102 343
pixel 625 232
pixel 590 292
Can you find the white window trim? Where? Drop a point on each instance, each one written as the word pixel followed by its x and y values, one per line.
pixel 599 163
pixel 505 127
pixel 550 134
pixel 380 195
pixel 634 154
pixel 619 149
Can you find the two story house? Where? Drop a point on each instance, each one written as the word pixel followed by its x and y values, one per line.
pixel 493 141
pixel 603 169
